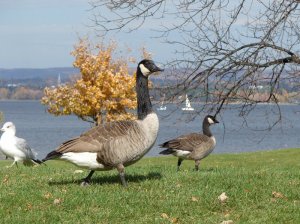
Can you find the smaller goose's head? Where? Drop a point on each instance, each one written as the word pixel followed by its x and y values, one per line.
pixel 210 120
pixel 147 67
pixel 9 127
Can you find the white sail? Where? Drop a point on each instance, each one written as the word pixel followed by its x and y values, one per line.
pixel 162 106
pixel 187 104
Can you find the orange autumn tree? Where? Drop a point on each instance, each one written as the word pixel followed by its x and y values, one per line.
pixel 104 91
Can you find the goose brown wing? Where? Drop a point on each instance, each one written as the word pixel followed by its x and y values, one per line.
pixel 99 137
pixel 186 142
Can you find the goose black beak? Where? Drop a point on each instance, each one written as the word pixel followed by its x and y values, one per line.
pixel 215 120
pixel 155 68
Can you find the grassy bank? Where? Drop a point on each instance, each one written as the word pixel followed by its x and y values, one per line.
pixel 263 187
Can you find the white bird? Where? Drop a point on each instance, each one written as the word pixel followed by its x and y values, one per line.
pixel 16 148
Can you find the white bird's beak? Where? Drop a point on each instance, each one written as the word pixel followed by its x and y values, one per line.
pixel 2 129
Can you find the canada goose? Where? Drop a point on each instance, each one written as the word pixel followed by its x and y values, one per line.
pixel 193 146
pixel 16 148
pixel 116 144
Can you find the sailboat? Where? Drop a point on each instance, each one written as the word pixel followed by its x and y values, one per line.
pixel 188 106
pixel 162 106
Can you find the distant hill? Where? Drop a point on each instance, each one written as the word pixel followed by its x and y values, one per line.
pixel 34 73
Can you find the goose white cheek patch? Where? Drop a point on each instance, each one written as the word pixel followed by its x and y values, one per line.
pixel 210 121
pixel 144 70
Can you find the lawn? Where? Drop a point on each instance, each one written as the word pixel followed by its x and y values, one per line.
pixel 262 187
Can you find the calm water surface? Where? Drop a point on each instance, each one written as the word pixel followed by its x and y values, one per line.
pixel 44 132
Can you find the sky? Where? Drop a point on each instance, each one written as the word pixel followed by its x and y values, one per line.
pixel 42 33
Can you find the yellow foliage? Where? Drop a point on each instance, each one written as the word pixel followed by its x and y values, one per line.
pixel 146 54
pixel 4 93
pixel 104 91
pixel 25 93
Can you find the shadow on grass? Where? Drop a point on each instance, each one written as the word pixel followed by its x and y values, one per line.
pixel 192 170
pixel 208 169
pixel 100 180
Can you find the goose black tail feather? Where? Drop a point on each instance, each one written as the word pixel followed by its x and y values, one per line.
pixel 52 155
pixel 164 145
pixel 166 152
pixel 37 161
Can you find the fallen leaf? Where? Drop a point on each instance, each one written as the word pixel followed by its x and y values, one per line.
pixel 277 195
pixel 47 195
pixel 227 222
pixel 175 220
pixel 64 190
pixel 194 199
pixel 164 215
pixel 5 179
pixel 226 214
pixel 178 185
pixel 57 201
pixel 78 171
pixel 28 207
pixel 223 197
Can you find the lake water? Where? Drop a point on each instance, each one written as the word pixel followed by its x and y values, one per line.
pixel 44 132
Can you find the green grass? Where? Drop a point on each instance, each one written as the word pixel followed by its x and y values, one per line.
pixel 27 194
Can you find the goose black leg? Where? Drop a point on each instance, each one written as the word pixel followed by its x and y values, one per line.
pixel 197 163
pixel 121 170
pixel 86 181
pixel 179 163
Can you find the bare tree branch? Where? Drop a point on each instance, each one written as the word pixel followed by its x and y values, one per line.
pixel 225 51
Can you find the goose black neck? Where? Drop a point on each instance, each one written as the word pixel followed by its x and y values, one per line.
pixel 143 98
pixel 206 129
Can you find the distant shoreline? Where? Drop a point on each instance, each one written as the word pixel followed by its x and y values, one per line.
pixel 16 100
pixel 155 102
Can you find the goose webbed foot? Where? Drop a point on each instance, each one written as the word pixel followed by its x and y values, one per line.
pixel 86 181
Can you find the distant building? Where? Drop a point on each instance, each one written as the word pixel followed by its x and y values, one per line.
pixel 256 87
pixel 59 83
pixel 12 85
pixel 58 80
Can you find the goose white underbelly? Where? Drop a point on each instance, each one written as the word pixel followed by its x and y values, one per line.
pixel 182 154
pixel 87 160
